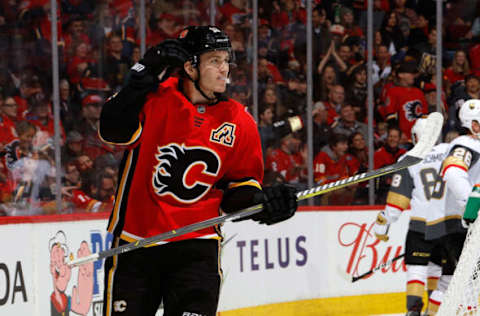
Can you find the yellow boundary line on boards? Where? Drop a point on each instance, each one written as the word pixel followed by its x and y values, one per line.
pixel 363 305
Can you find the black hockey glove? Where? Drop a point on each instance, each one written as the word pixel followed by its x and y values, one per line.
pixel 279 204
pixel 161 60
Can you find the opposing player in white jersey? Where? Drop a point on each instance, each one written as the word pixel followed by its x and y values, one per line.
pixel 421 187
pixel 460 171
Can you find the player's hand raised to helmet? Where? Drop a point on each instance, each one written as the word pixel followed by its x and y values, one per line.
pixel 157 65
pixel 169 53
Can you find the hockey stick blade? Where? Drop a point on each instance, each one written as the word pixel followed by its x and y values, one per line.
pixel 412 157
pixel 380 266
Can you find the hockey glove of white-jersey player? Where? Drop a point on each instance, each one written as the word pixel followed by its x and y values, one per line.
pixel 382 225
pixel 384 219
pixel 279 204
pixel 157 64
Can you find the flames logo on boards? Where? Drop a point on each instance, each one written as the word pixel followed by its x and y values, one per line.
pixel 413 110
pixel 174 164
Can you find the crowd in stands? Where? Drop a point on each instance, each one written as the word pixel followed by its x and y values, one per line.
pixel 99 41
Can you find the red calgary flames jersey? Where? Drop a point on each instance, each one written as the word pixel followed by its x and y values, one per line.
pixel 177 158
pixel 285 164
pixel 406 104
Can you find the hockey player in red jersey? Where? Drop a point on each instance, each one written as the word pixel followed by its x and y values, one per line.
pixel 191 154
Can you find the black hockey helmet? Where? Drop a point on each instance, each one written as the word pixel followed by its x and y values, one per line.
pixel 197 40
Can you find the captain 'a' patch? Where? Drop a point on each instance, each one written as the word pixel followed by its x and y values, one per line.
pixel 225 134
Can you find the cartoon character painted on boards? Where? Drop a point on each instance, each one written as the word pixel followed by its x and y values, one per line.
pixel 81 298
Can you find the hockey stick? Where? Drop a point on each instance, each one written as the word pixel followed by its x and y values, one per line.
pixel 351 278
pixel 415 155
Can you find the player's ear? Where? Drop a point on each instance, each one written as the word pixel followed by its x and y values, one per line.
pixel 190 70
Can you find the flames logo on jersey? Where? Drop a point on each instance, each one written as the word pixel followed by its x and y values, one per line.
pixel 175 162
pixel 413 110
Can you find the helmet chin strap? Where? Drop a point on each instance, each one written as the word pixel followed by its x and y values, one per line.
pixel 197 86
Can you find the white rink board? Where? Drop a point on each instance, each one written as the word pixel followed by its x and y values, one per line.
pixel 320 243
pixel 257 269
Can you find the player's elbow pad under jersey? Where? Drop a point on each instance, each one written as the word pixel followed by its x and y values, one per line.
pixel 119 118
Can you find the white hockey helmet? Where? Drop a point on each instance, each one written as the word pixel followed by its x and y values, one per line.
pixel 469 112
pixel 418 128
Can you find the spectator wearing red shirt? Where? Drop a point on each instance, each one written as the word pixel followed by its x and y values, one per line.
pixel 474 55
pixel 390 152
pixel 334 103
pixel 123 8
pixel 384 156
pixel 332 164
pixel 8 117
pixel 459 68
pixel 347 20
pixel 404 102
pixel 234 11
pixel 165 27
pixel 267 71
pixel 79 62
pixel 287 13
pixel 29 86
pixel 41 116
pixel 286 160
pixel 75 33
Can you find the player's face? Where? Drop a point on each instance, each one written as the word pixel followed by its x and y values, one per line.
pixel 214 68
